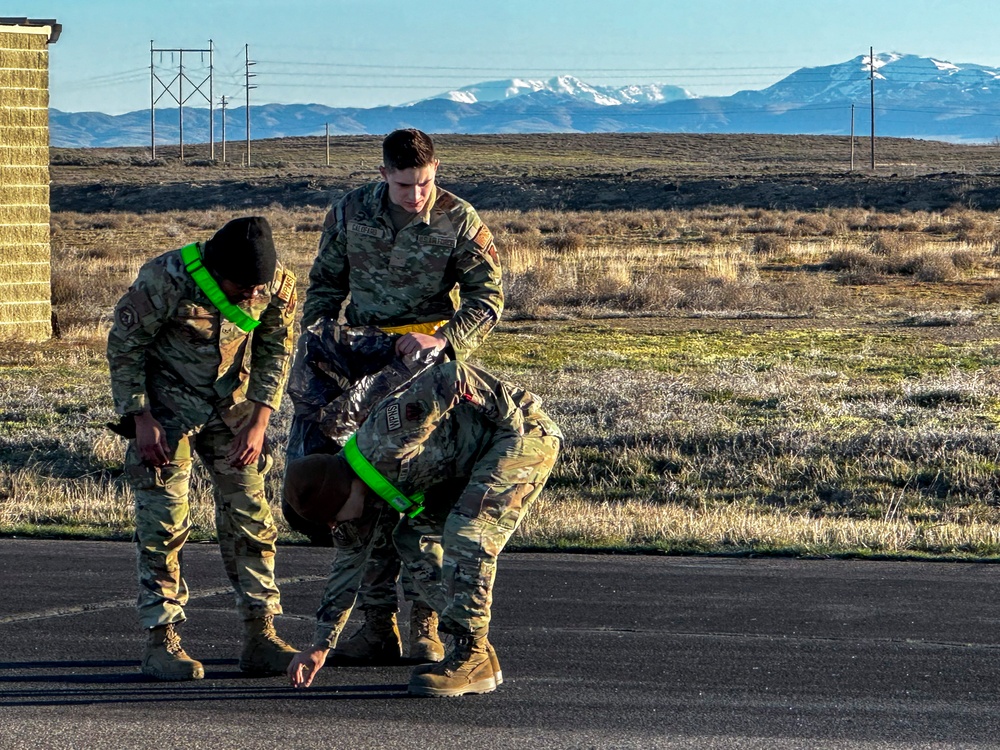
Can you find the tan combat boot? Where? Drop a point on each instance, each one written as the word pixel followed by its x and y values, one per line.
pixel 264 653
pixel 377 641
pixel 468 669
pixel 164 658
pixel 425 644
pixel 494 663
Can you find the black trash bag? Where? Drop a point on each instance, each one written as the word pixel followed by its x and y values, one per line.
pixel 340 374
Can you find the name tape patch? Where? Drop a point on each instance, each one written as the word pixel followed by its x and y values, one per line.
pixel 287 285
pixel 441 240
pixel 353 226
pixel 392 421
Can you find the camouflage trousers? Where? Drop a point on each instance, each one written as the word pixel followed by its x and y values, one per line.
pixel 361 566
pixel 246 529
pixel 456 579
pixel 383 569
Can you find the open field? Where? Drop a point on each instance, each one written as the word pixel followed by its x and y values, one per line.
pixel 550 172
pixel 731 375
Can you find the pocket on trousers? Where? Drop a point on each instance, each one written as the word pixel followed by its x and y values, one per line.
pixel 143 477
pixel 265 462
pixel 499 504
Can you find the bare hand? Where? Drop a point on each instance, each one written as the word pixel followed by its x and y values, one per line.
pixel 411 343
pixel 249 442
pixel 305 665
pixel 151 440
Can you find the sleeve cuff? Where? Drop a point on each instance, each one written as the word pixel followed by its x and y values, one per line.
pixel 325 637
pixel 136 404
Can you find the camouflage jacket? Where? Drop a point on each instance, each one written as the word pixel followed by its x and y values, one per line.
pixel 407 277
pixel 444 421
pixel 171 350
pixel 428 437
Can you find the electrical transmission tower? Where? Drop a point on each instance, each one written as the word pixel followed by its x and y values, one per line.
pixel 174 87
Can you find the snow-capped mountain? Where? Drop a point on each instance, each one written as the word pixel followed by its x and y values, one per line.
pixel 896 77
pixel 493 91
pixel 917 97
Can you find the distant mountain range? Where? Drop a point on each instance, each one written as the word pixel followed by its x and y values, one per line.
pixel 574 88
pixel 917 97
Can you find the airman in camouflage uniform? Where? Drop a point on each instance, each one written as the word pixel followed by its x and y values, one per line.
pixel 188 380
pixel 395 252
pixel 496 447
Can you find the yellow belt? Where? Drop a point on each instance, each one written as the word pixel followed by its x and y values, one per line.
pixel 428 328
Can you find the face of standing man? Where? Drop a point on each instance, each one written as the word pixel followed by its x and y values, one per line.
pixel 411 188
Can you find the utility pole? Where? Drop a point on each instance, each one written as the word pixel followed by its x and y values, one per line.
pixel 871 78
pixel 328 144
pixel 179 97
pixel 211 100
pixel 152 107
pixel 223 128
pixel 852 137
pixel 180 109
pixel 249 75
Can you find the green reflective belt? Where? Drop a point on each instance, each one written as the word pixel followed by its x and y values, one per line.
pixel 192 262
pixel 379 484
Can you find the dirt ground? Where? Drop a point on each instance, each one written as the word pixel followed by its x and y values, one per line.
pixel 552 172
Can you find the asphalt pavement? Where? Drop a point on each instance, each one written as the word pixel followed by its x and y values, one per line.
pixel 597 651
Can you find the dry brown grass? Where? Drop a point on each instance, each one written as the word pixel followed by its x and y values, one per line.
pixel 699 439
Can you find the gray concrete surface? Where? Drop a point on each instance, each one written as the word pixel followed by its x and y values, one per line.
pixel 597 651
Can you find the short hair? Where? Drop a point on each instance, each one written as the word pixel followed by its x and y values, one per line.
pixel 407 149
pixel 317 486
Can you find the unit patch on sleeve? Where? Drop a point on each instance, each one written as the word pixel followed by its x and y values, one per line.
pixel 127 318
pixel 392 421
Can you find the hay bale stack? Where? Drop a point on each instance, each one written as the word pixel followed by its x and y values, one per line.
pixel 25 270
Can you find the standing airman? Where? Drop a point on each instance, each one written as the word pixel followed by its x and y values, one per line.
pixel 199 354
pixel 394 251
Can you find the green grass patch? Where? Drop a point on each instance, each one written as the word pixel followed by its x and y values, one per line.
pixel 887 357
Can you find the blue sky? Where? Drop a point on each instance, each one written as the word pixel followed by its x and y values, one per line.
pixel 364 53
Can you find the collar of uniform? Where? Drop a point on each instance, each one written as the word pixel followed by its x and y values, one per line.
pixel 425 215
pixel 381 196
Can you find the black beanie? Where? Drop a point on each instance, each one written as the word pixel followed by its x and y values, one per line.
pixel 243 252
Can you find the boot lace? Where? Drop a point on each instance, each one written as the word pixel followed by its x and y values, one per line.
pixel 423 623
pixel 461 653
pixel 172 641
pixel 269 634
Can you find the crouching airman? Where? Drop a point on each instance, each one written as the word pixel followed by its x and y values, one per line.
pixel 457 455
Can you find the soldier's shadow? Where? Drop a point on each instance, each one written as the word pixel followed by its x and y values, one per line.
pixel 64 683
